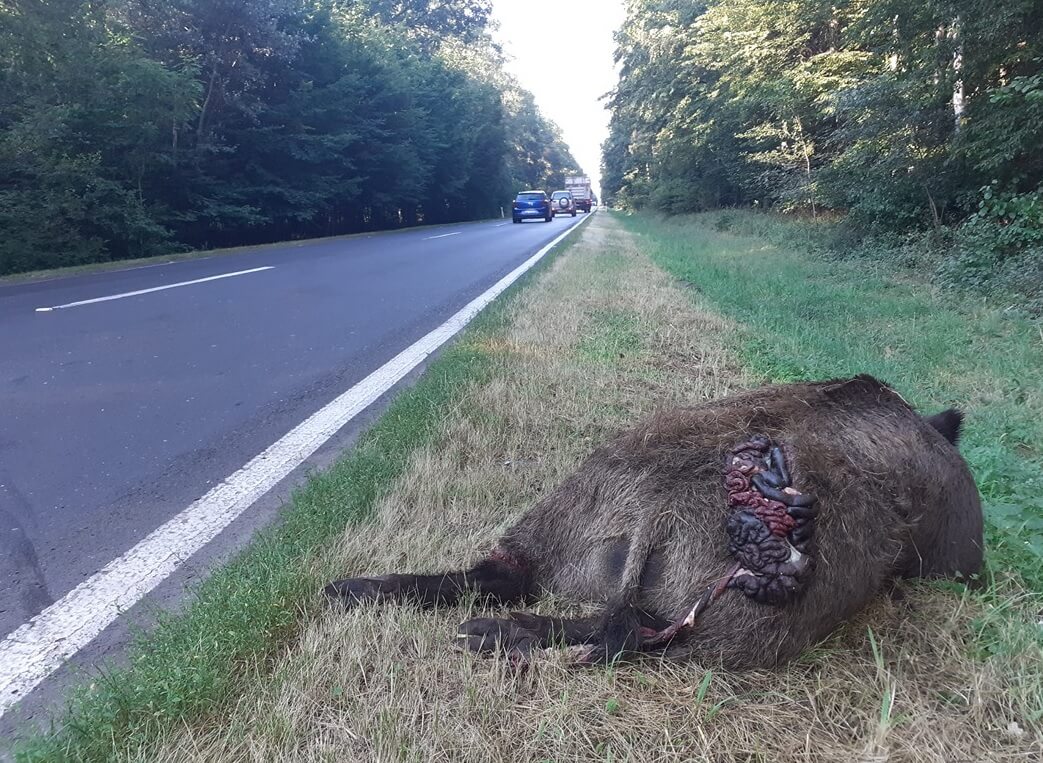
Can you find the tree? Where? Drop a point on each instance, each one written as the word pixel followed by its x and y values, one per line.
pixel 130 127
pixel 85 124
pixel 894 113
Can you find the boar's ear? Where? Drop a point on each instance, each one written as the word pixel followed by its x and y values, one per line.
pixel 948 423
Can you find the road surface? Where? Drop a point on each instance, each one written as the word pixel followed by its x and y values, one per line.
pixel 127 395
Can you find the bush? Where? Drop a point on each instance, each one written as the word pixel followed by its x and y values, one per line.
pixel 998 251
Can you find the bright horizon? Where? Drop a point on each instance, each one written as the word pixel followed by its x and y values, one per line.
pixel 582 29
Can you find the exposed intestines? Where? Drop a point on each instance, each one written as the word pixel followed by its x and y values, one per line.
pixel 771 523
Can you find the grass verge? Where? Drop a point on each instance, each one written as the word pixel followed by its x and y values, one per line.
pixel 598 341
pixel 192 662
pixel 973 261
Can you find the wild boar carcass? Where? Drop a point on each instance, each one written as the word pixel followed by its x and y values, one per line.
pixel 738 531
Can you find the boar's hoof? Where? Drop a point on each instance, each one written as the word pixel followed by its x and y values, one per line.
pixel 489 634
pixel 596 655
pixel 606 653
pixel 353 591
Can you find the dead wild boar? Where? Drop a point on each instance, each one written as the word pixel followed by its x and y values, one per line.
pixel 740 531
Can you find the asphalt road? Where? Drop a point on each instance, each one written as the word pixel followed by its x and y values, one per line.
pixel 115 415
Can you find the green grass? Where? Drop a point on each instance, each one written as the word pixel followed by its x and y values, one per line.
pixel 805 317
pixel 239 617
pixel 614 335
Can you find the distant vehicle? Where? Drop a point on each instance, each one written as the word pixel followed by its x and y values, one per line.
pixel 561 203
pixel 532 204
pixel 579 187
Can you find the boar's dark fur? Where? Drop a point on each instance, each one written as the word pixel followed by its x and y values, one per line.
pixel 639 527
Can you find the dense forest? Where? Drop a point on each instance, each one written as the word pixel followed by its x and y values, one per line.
pixel 914 124
pixel 136 127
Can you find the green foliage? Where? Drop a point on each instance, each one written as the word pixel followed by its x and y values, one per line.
pixel 1019 215
pixel 998 251
pixel 464 20
pixel 892 114
pixel 539 157
pixel 133 127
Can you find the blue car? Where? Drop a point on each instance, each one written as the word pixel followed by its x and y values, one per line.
pixel 531 205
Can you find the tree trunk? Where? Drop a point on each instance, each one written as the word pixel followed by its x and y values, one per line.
pixel 958 103
pixel 892 60
pixel 935 217
pixel 218 58
pixel 807 165
pixel 206 104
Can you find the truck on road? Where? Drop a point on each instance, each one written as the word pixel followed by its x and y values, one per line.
pixel 579 186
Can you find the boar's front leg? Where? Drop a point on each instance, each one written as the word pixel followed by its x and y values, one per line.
pixel 501 577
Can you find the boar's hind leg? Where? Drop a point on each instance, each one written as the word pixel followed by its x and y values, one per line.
pixel 495 578
pixel 489 634
pixel 516 636
pixel 484 634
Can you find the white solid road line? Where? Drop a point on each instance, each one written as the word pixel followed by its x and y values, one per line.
pixel 126 294
pixel 428 238
pixel 39 647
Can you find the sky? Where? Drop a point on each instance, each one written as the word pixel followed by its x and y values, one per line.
pixel 536 35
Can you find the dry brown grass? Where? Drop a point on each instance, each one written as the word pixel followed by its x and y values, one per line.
pixel 598 341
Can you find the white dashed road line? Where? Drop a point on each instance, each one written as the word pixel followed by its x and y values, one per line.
pixel 39 647
pixel 126 294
